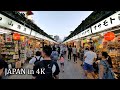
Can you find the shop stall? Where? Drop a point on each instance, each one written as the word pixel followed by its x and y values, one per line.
pixel 15 41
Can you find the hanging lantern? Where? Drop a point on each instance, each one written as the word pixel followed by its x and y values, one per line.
pixel 109 36
pixel 22 38
pixel 16 36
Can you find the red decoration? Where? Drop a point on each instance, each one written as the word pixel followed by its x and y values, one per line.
pixel 29 13
pixel 109 36
pixel 16 36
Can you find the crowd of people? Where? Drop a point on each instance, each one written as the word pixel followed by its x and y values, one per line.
pixel 99 64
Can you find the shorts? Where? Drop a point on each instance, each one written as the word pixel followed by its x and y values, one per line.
pixel 88 67
pixel 62 64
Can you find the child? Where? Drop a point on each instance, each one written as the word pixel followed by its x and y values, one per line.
pixel 62 62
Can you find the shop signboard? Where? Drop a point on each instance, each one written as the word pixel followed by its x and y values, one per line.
pixel 37 34
pixel 11 24
pixel 79 35
pixel 107 23
pixel 33 33
pixel 86 32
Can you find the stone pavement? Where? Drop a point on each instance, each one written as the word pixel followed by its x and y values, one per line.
pixel 71 71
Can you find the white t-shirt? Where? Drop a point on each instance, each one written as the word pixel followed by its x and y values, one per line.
pixel 74 50
pixel 90 57
pixel 34 59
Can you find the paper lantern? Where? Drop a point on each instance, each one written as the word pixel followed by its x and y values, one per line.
pixel 109 36
pixel 22 38
pixel 16 36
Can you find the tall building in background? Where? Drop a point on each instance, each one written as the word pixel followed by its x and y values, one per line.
pixel 64 38
pixel 56 38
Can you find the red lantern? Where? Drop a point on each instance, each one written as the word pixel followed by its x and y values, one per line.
pixel 109 36
pixel 16 36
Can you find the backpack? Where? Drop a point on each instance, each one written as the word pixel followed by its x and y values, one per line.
pixel 109 74
pixel 54 55
pixel 37 60
pixel 47 70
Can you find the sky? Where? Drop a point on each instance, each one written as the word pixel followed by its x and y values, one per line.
pixel 59 22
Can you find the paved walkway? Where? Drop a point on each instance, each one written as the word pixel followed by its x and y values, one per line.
pixel 72 71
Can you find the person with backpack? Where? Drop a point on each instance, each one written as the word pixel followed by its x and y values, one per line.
pixel 37 58
pixel 54 55
pixel 47 68
pixel 105 71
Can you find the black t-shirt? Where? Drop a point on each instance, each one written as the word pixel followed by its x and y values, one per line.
pixel 46 63
pixel 69 50
pixel 3 64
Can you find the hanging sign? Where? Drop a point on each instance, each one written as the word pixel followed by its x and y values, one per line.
pixel 108 22
pixel 86 32
pixel 11 24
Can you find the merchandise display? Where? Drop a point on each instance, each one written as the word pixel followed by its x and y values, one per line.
pixel 9 49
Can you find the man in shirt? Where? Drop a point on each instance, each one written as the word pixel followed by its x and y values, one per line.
pixel 69 52
pixel 51 68
pixel 37 57
pixel 74 50
pixel 89 59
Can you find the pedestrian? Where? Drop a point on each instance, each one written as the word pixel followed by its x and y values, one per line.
pixel 74 51
pixel 89 58
pixel 105 71
pixel 37 58
pixel 69 52
pixel 47 68
pixel 62 62
pixel 1 69
pixel 109 61
pixel 59 50
pixel 95 64
pixel 84 51
pixel 29 54
pixel 3 66
pixel 54 55
pixel 81 56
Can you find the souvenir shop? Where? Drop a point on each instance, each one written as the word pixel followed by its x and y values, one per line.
pixel 106 37
pixel 15 41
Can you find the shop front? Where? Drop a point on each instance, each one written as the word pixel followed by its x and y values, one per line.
pixel 15 41
pixel 106 37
